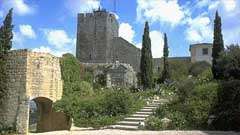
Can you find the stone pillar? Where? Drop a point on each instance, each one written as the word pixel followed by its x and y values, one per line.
pixel 23 117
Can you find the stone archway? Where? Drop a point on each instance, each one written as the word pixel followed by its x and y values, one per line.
pixel 32 75
pixel 46 118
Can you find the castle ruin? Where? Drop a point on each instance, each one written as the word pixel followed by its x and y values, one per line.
pixel 98 41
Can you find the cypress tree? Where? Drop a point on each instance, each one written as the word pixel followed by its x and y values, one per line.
pixel 165 72
pixel 146 66
pixel 6 36
pixel 218 46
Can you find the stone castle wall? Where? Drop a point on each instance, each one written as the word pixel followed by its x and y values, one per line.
pixel 30 75
pixel 95 32
pixel 98 41
pixel 126 52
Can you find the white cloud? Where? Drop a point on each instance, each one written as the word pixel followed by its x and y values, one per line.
pixel 213 5
pixel 59 42
pixel 199 29
pixel 166 11
pixel 1 14
pixel 58 38
pixel 229 5
pixel 27 30
pixel 20 7
pixel 232 36
pixel 126 31
pixel 44 49
pixel 47 49
pixel 156 42
pixel 17 40
pixel 79 6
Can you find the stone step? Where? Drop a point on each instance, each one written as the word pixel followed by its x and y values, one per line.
pixel 140 115
pixel 134 119
pixel 150 107
pixel 124 127
pixel 130 123
pixel 146 110
pixel 144 113
pixel 154 104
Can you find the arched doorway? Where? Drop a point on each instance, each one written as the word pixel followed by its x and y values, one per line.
pixel 42 117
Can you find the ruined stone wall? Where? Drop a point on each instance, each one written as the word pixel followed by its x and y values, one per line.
pixel 30 75
pixel 126 52
pixel 43 76
pixel 17 101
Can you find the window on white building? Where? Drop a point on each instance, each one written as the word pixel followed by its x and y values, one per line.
pixel 205 51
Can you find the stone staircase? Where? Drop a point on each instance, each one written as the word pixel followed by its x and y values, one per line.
pixel 135 120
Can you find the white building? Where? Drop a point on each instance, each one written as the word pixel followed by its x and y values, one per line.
pixel 201 52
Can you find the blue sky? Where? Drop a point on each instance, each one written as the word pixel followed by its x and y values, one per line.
pixel 50 25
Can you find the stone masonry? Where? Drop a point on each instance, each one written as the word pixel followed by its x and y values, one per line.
pixel 98 40
pixel 30 75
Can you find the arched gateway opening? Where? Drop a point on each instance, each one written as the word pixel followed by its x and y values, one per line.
pixel 42 118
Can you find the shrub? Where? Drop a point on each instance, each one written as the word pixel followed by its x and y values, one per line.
pixel 198 68
pixel 185 89
pixel 153 123
pixel 117 102
pixel 229 63
pixel 206 76
pixel 192 107
pixel 178 69
pixel 228 107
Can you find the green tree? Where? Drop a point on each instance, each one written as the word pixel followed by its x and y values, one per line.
pixel 218 46
pixel 6 33
pixel 229 63
pixel 165 72
pixel 146 66
pixel 6 36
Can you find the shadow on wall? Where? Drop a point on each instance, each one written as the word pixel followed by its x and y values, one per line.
pixel 42 118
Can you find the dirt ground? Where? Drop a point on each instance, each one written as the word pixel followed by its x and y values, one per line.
pixel 124 132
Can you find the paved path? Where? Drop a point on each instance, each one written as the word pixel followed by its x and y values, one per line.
pixel 125 132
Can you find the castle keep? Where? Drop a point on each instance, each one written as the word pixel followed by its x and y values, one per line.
pixel 98 41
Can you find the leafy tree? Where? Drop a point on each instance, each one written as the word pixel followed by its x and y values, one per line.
pixel 218 46
pixel 229 63
pixel 227 109
pixel 146 66
pixel 6 36
pixel 165 72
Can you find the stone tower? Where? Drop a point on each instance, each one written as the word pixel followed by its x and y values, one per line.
pixel 95 33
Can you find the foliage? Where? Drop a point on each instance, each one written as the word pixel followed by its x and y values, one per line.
pixel 206 76
pixel 179 70
pixel 6 33
pixel 102 108
pixel 229 63
pixel 90 107
pixel 71 69
pixel 165 72
pixel 218 46
pixel 6 36
pixel 191 108
pixel 227 111
pixel 146 65
pixel 199 67
pixel 153 123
